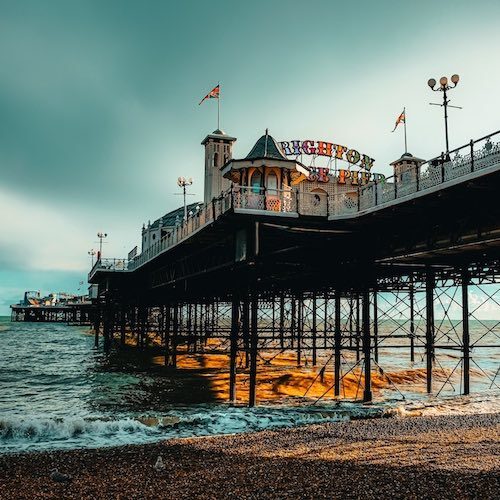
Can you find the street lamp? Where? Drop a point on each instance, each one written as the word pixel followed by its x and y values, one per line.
pixel 101 236
pixel 443 87
pixel 92 253
pixel 183 183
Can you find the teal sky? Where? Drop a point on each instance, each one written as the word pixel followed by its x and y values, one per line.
pixel 99 104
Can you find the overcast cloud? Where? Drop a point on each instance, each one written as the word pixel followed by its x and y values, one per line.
pixel 99 104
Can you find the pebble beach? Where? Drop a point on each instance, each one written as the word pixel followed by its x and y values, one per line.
pixel 446 456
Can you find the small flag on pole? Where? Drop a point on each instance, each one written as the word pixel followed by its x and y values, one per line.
pixel 213 94
pixel 401 119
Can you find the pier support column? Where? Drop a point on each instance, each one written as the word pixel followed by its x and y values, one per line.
pixel 358 328
pixel 235 323
pixel 175 334
pixel 429 330
pixel 412 321
pixel 367 393
pixel 300 327
pixel 337 345
pixel 107 325
pixel 245 320
pixel 465 331
pixel 166 336
pixel 97 322
pixel 314 328
pixel 254 338
pixel 351 321
pixel 123 324
pixel 195 328
pixel 375 325
pixel 282 321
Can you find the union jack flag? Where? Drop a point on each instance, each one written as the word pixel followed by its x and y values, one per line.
pixel 401 119
pixel 213 94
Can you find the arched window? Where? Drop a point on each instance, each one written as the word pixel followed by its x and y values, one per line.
pixel 216 159
pixel 272 183
pixel 256 181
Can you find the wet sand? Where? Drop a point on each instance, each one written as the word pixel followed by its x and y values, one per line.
pixel 417 457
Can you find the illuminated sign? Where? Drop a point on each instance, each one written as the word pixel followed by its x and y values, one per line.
pixel 328 149
pixel 342 176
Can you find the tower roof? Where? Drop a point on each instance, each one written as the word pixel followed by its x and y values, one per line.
pixel 218 135
pixel 266 147
pixel 408 157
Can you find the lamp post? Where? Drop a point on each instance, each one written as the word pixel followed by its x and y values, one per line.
pixel 443 87
pixel 92 253
pixel 101 236
pixel 182 182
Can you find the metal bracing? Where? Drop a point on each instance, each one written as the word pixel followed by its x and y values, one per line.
pixel 433 325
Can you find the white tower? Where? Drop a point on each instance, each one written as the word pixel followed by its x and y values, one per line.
pixel 218 151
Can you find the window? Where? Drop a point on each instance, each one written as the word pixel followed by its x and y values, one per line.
pixel 256 182
pixel 154 236
pixel 216 159
pixel 272 184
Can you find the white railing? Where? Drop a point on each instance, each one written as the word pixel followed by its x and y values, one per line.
pixel 270 200
pixel 110 265
pixel 435 172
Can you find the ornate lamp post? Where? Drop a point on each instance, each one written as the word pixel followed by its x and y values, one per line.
pixel 101 236
pixel 443 87
pixel 182 182
pixel 92 253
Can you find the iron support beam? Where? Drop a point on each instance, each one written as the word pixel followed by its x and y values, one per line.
pixel 235 321
pixel 253 350
pixel 465 332
pixel 429 330
pixel 338 344
pixel 367 393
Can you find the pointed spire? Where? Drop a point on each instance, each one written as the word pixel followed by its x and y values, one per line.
pixel 266 147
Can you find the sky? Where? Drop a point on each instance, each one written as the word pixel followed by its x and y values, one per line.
pixel 99 104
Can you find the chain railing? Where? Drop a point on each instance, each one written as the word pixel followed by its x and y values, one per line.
pixel 474 156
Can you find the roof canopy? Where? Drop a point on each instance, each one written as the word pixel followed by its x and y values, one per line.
pixel 266 147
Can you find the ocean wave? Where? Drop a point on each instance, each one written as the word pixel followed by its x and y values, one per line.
pixel 36 432
pixel 39 428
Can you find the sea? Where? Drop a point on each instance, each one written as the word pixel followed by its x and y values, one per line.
pixel 58 392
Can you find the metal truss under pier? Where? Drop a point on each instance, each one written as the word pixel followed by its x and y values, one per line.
pixel 407 281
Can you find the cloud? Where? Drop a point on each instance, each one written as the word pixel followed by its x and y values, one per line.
pixel 37 236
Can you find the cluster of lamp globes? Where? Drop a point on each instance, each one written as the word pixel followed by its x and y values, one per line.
pixel 443 83
pixel 182 181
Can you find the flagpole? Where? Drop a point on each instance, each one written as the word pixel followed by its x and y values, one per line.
pixel 406 145
pixel 218 108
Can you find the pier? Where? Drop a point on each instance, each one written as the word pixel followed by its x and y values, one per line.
pixel 73 310
pixel 276 261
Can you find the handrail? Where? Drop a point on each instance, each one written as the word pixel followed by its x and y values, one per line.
pixel 428 175
pixel 441 160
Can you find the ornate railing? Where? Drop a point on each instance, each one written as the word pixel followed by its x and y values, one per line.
pixel 270 200
pixel 110 265
pixel 475 156
pixel 446 168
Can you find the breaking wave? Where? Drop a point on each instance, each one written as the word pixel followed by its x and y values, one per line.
pixel 37 433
